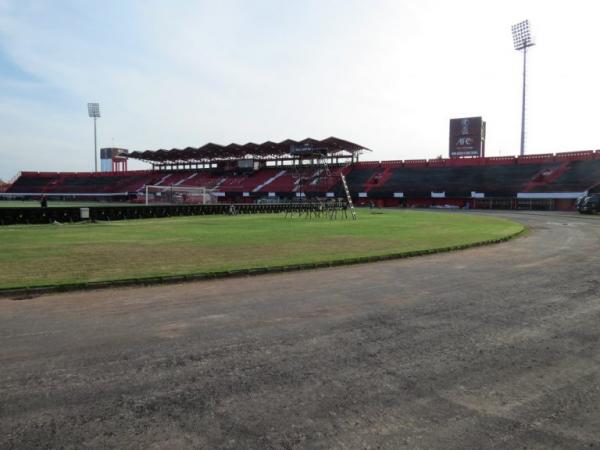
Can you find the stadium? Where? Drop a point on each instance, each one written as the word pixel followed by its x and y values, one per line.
pixel 303 293
pixel 274 172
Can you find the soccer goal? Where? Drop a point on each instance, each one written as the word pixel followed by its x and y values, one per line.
pixel 179 195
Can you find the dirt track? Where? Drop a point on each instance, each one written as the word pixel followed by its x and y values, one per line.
pixel 495 347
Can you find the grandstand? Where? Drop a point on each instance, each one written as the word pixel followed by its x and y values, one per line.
pixel 247 173
pixel 547 180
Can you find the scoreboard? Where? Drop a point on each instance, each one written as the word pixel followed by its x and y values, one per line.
pixel 467 137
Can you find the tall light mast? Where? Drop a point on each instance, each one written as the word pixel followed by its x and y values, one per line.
pixel 94 112
pixel 522 40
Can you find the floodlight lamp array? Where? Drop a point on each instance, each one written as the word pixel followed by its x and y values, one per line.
pixel 522 35
pixel 94 109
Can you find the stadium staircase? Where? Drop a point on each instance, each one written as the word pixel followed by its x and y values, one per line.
pixel 378 179
pixel 174 178
pixel 270 181
pixel 185 178
pixel 546 177
pixel 163 179
pixel 577 176
pixel 247 182
pixel 201 179
pixel 304 178
pixel 137 183
pixel 219 183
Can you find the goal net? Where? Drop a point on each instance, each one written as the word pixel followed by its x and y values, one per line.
pixel 179 195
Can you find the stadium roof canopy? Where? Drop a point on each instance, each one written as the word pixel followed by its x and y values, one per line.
pixel 331 146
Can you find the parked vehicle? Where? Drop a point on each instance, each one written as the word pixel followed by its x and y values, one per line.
pixel 579 201
pixel 589 205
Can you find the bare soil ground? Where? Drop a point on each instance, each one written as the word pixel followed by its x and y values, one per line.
pixel 494 347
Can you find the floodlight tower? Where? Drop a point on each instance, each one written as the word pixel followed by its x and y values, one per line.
pixel 522 40
pixel 94 112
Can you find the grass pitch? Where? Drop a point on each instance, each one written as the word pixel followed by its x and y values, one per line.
pixel 42 255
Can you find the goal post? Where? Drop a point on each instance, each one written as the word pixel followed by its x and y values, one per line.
pixel 178 195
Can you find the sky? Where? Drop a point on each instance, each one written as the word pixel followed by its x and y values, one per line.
pixel 387 74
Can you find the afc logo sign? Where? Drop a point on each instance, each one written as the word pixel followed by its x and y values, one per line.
pixel 465 141
pixel 467 136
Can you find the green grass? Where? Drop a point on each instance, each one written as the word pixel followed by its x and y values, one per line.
pixel 38 255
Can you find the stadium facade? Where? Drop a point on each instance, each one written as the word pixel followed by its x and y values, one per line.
pixel 290 170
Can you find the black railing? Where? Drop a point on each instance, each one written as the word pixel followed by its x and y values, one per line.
pixel 12 216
